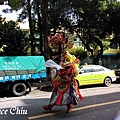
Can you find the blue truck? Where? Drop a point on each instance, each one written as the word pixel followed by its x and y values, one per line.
pixel 17 73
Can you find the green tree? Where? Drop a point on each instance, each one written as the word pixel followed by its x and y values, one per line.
pixel 90 19
pixel 26 7
pixel 36 11
pixel 12 38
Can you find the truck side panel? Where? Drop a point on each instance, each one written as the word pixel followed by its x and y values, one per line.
pixel 22 63
pixel 18 72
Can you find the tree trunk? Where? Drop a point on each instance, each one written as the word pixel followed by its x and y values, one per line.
pixel 31 29
pixel 98 56
pixel 39 27
pixel 45 27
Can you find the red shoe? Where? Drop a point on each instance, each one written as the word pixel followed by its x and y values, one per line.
pixel 47 107
pixel 69 108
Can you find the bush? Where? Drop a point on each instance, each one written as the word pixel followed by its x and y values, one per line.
pixel 81 53
pixel 78 51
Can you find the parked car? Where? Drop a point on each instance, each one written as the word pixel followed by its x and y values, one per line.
pixel 95 74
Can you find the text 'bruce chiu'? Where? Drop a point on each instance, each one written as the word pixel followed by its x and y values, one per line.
pixel 14 111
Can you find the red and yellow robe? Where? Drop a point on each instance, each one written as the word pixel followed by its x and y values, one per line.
pixel 65 87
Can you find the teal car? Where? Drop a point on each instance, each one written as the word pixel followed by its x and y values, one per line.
pixel 95 74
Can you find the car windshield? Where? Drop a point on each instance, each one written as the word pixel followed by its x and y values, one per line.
pixel 97 68
pixel 86 69
pixel 92 68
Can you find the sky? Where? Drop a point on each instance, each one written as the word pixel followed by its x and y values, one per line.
pixel 13 16
pixel 9 16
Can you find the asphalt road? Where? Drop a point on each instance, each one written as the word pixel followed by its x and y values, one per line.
pixel 100 103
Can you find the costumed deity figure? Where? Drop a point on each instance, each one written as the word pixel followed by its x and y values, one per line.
pixel 65 88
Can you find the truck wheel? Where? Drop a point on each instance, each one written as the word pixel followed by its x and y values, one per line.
pixel 19 89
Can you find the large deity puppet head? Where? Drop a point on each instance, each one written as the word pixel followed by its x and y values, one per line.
pixel 58 45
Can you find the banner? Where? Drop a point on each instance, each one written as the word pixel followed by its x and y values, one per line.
pixel 22 63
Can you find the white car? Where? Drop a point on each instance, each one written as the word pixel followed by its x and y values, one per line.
pixel 95 74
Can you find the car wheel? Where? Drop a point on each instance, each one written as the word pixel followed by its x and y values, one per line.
pixel 19 89
pixel 107 81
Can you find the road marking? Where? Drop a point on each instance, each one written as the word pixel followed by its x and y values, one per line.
pixel 74 109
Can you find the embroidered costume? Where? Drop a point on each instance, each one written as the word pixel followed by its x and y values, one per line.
pixel 65 87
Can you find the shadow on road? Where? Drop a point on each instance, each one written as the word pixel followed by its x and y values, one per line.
pixel 7 94
pixel 48 88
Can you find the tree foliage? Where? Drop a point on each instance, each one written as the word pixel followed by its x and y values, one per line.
pixel 91 20
pixel 12 39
